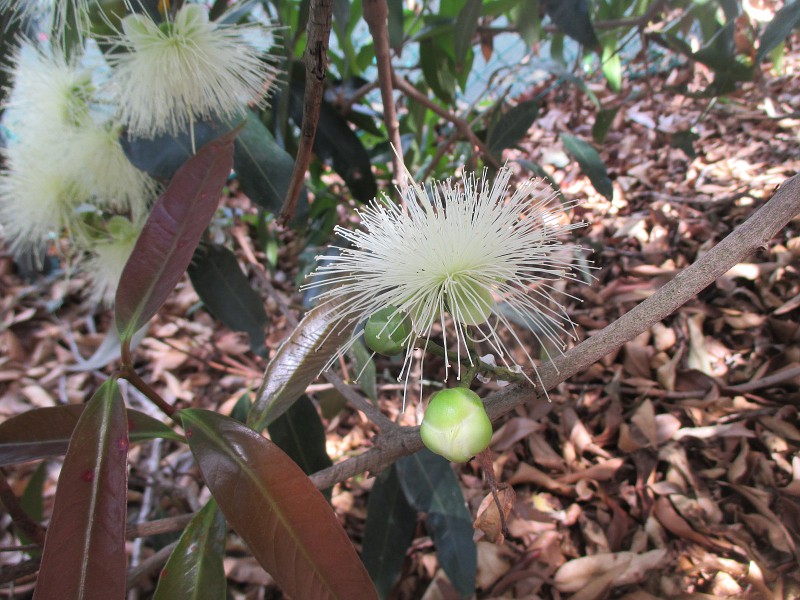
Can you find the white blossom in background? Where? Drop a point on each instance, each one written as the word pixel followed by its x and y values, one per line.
pixel 62 12
pixel 106 259
pixel 477 258
pixel 171 75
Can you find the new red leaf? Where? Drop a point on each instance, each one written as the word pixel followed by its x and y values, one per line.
pixel 171 234
pixel 84 551
pixel 290 528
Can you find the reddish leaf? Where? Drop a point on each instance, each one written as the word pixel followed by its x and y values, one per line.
pixel 44 432
pixel 194 569
pixel 84 551
pixel 171 234
pixel 290 528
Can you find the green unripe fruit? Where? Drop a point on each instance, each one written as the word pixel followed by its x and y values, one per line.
pixel 387 331
pixel 470 301
pixel 456 425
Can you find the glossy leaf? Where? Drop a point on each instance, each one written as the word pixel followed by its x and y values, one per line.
pixel 44 432
pixel 776 31
pixel 227 293
pixel 300 434
pixel 388 531
pixel 84 552
pixel 171 234
pixel 602 123
pixel 465 27
pixel 512 126
pixel 590 162
pixel 263 168
pixel 32 502
pixel 288 525
pixel 430 486
pixel 297 362
pixel 572 17
pixel 194 570
pixel 162 156
pixel 436 69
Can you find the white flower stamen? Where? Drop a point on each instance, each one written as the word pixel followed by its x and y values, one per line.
pixel 467 254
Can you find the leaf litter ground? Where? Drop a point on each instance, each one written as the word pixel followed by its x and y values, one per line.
pixel 668 469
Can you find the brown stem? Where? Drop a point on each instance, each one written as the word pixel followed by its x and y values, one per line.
pixel 149 565
pixel 26 526
pixel 754 233
pixel 409 90
pixel 487 466
pixel 128 373
pixel 376 14
pixel 318 34
pixel 158 526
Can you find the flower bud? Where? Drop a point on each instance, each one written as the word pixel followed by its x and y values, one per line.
pixel 456 425
pixel 387 331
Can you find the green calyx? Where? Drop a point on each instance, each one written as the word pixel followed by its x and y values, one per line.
pixel 388 331
pixel 456 425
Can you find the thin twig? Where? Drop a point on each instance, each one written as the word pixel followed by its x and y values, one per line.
pixel 128 373
pixel 27 526
pixel 159 526
pixel 318 34
pixel 463 126
pixel 376 14
pixel 149 565
pixel 9 573
pixel 358 402
pixel 754 233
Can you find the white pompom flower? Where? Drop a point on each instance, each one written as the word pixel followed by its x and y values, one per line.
pixel 473 263
pixel 64 13
pixel 173 74
pixel 107 258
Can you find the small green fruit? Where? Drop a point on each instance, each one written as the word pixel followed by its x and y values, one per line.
pixel 388 331
pixel 471 300
pixel 456 425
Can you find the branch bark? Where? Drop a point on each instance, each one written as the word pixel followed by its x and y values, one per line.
pixel 316 60
pixel 754 233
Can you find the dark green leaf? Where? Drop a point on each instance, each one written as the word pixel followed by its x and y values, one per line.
pixel 602 123
pixel 778 29
pixel 288 525
pixel 465 27
pixel 437 69
pixel 227 293
pixel 162 156
pixel 388 531
pixel 194 570
pixel 242 408
pixel 684 140
pixel 300 434
pixel 395 23
pixel 297 362
pixel 572 17
pixel 365 369
pixel 336 142
pixel 32 502
pixel 263 168
pixel 84 551
pixel 591 163
pixel 430 486
pixel 512 126
pixel 44 432
pixel 171 234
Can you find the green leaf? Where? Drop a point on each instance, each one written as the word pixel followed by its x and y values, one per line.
pixel 365 369
pixel 437 70
pixel 512 126
pixel 32 502
pixel 84 551
pixel 288 525
pixel 778 29
pixel 388 531
pixel 430 486
pixel 612 65
pixel 300 434
pixel 297 362
pixel 171 234
pixel 591 163
pixel 227 293
pixel 263 168
pixel 44 432
pixel 395 23
pixel 194 570
pixel 162 156
pixel 465 27
pixel 572 17
pixel 602 123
